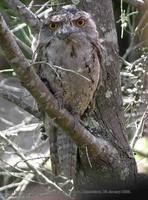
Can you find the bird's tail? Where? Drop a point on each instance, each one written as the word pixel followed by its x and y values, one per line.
pixel 63 153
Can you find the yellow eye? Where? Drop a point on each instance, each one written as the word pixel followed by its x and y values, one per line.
pixel 80 22
pixel 53 26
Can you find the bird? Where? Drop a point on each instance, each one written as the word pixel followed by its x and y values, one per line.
pixel 67 54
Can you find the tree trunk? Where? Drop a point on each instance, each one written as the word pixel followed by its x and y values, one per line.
pixel 105 118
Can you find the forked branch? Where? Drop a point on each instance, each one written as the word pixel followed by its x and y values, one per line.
pixel 98 148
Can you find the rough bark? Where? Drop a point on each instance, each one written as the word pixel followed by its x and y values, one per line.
pixel 106 118
pixel 98 149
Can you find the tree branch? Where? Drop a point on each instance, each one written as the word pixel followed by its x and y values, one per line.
pixel 36 171
pixel 137 3
pixel 28 16
pixel 9 186
pixel 98 148
pixel 20 188
pixel 19 102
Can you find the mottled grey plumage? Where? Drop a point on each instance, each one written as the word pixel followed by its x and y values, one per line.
pixel 68 50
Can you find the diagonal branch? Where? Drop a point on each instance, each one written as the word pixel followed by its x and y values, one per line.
pixel 28 16
pixel 35 170
pixel 98 148
pixel 19 102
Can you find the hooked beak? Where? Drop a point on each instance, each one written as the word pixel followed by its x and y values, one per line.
pixel 65 32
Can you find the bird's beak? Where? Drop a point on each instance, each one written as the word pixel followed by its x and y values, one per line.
pixel 65 32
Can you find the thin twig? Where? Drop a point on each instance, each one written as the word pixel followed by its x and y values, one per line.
pixel 45 5
pixel 24 45
pixel 12 185
pixel 61 68
pixel 9 173
pixel 30 5
pixel 143 60
pixel 10 167
pixel 23 126
pixel 142 21
pixel 36 171
pixel 18 27
pixel 88 157
pixel 29 17
pixel 137 3
pixel 139 130
pixel 125 62
pixel 132 47
pixel 22 185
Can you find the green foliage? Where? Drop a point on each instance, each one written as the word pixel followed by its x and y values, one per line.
pixel 2 6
